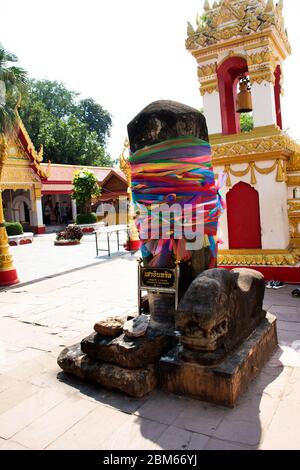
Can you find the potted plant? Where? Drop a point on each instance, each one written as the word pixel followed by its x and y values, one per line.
pixel 70 236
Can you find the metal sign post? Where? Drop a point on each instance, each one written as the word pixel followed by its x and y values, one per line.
pixel 158 280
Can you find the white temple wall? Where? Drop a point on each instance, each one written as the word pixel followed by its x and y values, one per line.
pixel 273 208
pixel 212 111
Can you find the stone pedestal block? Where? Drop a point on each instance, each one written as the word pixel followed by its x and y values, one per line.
pixel 128 352
pixel 224 383
pixel 134 382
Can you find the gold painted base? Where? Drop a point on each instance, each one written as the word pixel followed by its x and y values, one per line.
pixel 289 257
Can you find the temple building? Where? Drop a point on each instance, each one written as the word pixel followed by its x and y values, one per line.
pixel 240 47
pixel 58 187
pixel 28 184
pixel 21 182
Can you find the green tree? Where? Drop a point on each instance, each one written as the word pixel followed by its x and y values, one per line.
pixel 85 189
pixel 64 127
pixel 246 122
pixel 12 81
pixel 57 99
pixel 96 118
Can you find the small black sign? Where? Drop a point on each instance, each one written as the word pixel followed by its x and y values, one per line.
pixel 158 278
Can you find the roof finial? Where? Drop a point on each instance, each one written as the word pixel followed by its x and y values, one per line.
pixel 206 5
pixel 269 5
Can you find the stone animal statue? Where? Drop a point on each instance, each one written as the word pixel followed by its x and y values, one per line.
pixel 219 310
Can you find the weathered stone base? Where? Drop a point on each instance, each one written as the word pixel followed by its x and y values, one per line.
pixel 127 352
pixel 133 382
pixel 222 384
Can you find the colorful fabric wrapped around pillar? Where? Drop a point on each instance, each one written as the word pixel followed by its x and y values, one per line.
pixel 177 198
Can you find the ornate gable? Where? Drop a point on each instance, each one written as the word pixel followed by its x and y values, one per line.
pixel 236 18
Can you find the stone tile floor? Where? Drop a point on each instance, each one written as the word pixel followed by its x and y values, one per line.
pixel 41 408
pixel 42 258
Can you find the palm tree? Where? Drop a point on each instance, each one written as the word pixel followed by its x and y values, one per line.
pixel 12 81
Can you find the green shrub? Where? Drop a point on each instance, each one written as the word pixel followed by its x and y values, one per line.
pixel 13 228
pixel 85 219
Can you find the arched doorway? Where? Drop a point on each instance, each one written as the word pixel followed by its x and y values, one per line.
pixel 228 78
pixel 243 214
pixel 21 208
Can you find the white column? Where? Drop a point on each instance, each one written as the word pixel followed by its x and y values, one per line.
pixel 74 209
pixel 273 212
pixel 39 212
pixel 212 112
pixel 37 215
pixel 263 99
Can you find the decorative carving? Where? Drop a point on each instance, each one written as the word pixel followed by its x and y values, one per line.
pixel 36 157
pixel 289 257
pixel 293 181
pixel 207 70
pixel 220 309
pixel 294 222
pixel 123 161
pixel 18 175
pixel 209 87
pixel 237 18
pixel 281 143
pixel 259 57
pixel 294 206
pixel 262 75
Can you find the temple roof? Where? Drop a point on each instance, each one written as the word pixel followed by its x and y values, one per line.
pixel 61 176
pixel 230 19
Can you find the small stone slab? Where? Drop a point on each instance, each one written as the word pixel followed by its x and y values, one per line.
pixel 136 327
pixel 134 382
pixel 110 327
pixel 222 384
pixel 128 352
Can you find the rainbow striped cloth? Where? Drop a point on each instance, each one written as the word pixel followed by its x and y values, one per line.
pixel 178 171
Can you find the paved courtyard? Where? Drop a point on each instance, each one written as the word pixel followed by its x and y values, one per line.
pixel 40 408
pixel 42 259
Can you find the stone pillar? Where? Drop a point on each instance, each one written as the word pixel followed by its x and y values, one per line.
pixel 158 122
pixel 74 209
pixel 263 99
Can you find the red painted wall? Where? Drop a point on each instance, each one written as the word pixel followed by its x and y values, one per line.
pixel 243 216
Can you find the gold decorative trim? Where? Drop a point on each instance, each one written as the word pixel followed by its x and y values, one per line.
pixel 281 175
pixel 289 257
pixel 257 132
pixel 293 206
pixel 293 181
pixel 37 156
pixel 209 87
pixel 260 76
pixel 275 143
pixel 257 45
pixel 207 70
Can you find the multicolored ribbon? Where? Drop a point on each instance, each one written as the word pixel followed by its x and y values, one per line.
pixel 175 172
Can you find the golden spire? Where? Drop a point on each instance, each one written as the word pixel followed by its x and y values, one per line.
pixel 269 6
pixel 206 5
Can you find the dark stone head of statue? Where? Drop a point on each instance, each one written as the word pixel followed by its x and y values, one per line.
pixel 219 310
pixel 164 120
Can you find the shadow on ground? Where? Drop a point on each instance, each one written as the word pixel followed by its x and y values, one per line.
pixel 169 422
